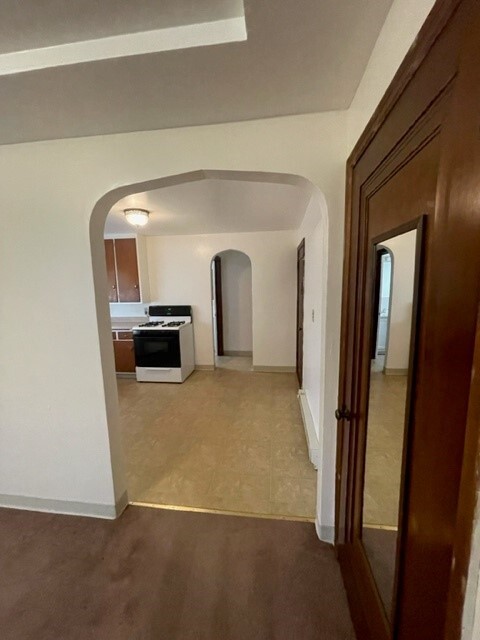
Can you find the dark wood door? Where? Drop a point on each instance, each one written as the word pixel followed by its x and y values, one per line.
pixel 111 271
pixel 416 167
pixel 217 283
pixel 300 308
pixel 127 270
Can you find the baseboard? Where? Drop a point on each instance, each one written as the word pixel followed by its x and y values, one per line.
pixel 242 354
pixel 205 367
pixel 65 507
pixel 121 504
pixel 395 372
pixel 125 374
pixel 260 368
pixel 310 433
pixel 325 533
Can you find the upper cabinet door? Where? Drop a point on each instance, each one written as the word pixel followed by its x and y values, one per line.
pixel 111 271
pixel 127 270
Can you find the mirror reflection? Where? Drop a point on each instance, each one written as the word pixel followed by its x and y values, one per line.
pixel 394 278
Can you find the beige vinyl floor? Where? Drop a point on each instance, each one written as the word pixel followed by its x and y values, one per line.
pixel 383 462
pixel 228 440
pixel 235 363
pixel 383 470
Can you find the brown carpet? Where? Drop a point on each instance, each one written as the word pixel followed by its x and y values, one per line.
pixel 166 575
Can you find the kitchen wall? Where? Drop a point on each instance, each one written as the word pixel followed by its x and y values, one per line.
pixel 128 309
pixel 237 301
pixel 179 268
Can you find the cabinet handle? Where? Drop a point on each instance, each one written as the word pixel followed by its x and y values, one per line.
pixel 135 286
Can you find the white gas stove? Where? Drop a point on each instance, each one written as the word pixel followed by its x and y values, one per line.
pixel 164 350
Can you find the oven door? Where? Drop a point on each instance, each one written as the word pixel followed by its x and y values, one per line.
pixel 157 349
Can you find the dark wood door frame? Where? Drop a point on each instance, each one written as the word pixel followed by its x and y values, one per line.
pixel 217 283
pixel 300 308
pixel 460 197
pixel 435 94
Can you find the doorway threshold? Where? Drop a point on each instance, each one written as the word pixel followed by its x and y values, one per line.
pixel 223 512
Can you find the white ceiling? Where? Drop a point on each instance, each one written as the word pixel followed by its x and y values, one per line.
pixel 30 24
pixel 301 56
pixel 214 206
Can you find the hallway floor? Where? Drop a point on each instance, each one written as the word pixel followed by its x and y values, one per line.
pixel 223 440
pixel 236 363
pixel 156 574
pixel 384 453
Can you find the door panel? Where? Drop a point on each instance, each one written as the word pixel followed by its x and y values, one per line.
pixel 407 172
pixel 127 270
pixel 217 283
pixel 124 356
pixel 111 271
pixel 300 308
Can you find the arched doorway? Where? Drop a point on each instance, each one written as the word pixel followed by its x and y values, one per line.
pixel 273 331
pixel 232 311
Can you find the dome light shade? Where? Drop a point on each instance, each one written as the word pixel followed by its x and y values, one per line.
pixel 137 217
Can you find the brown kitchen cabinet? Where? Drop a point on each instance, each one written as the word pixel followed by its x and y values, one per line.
pixel 123 351
pixel 122 270
pixel 127 270
pixel 111 271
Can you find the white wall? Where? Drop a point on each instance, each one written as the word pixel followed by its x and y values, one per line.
pixel 476 623
pixel 314 230
pixel 402 248
pixel 179 268
pixel 56 445
pixel 237 300
pixel 471 612
pixel 400 29
pixel 320 346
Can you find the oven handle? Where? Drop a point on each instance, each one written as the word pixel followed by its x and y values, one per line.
pixel 157 368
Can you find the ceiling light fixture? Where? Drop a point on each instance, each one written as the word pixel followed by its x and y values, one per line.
pixel 137 217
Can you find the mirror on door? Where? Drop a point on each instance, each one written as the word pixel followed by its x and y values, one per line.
pixel 394 277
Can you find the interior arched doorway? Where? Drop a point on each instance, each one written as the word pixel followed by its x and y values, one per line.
pixel 232 309
pixel 312 225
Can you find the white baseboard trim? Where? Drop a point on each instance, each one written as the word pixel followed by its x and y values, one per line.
pixel 260 368
pixel 325 533
pixel 205 367
pixel 121 504
pixel 65 507
pixel 242 354
pixel 310 433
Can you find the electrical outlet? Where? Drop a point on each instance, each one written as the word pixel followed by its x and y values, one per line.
pixel 313 315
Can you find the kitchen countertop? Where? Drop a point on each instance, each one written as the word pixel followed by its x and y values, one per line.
pixel 123 324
